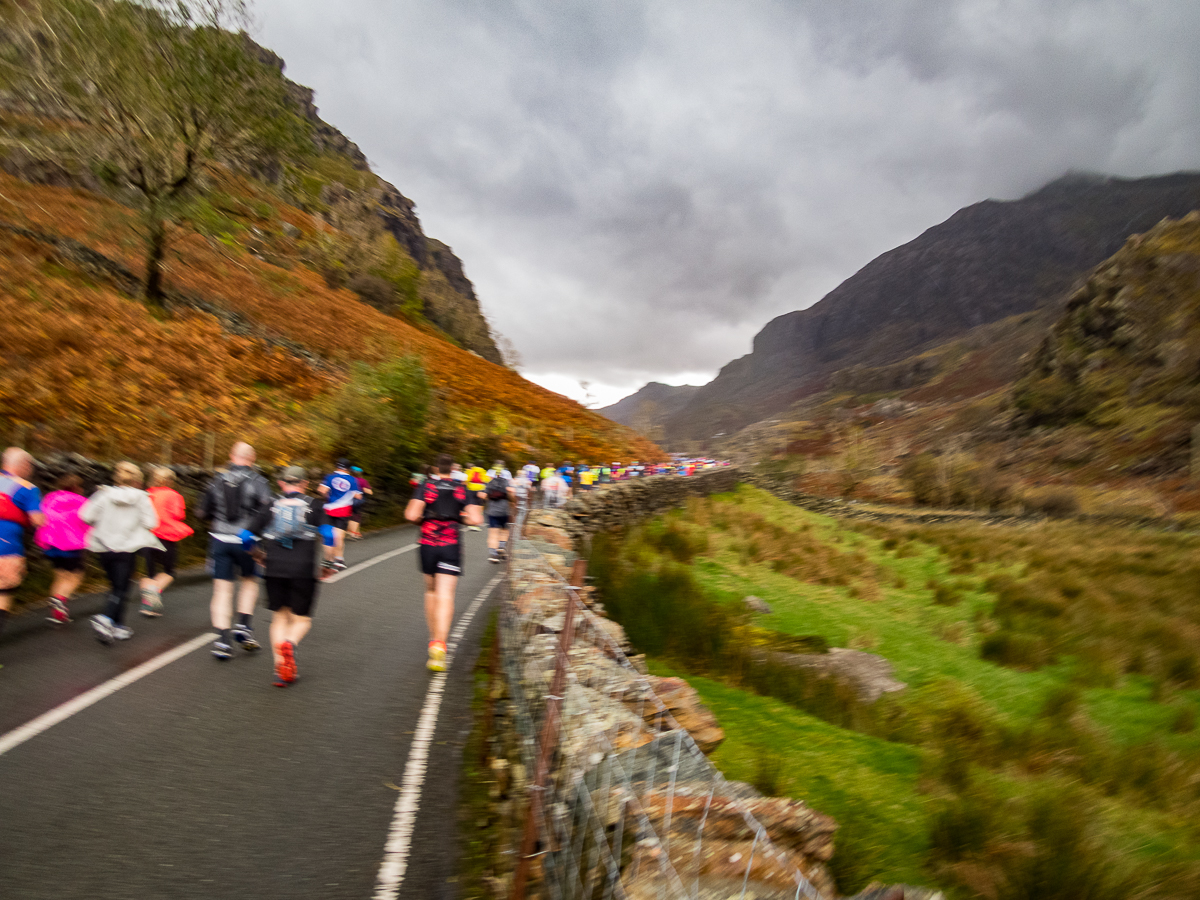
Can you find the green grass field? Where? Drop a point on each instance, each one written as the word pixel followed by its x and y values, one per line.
pixel 1051 669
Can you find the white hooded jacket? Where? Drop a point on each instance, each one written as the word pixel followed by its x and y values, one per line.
pixel 122 520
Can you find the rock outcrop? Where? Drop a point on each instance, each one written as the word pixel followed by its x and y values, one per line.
pixel 1129 337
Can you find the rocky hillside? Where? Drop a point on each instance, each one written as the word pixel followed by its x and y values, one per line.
pixel 650 406
pixel 359 201
pixel 1128 343
pixel 987 262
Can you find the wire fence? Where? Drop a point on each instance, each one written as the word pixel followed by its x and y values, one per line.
pixel 622 802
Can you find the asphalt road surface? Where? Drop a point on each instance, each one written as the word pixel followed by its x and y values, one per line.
pixel 203 780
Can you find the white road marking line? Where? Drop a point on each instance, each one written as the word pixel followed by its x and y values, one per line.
pixel 34 727
pixel 395 851
pixel 46 720
pixel 374 560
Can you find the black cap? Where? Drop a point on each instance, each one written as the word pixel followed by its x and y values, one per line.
pixel 343 463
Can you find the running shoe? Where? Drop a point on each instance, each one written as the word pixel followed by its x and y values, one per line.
pixel 103 626
pixel 245 637
pixel 285 669
pixel 58 612
pixel 152 605
pixel 222 650
pixel 339 565
pixel 437 657
pixel 122 632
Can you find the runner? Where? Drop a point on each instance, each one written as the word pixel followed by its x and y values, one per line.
pixel 440 505
pixel 497 494
pixel 532 473
pixel 121 517
pixel 171 509
pixel 356 514
pixel 587 477
pixel 457 473
pixel 291 568
pixel 522 490
pixel 237 505
pixel 20 507
pixel 476 478
pixel 63 539
pixel 555 491
pixel 340 490
pixel 606 475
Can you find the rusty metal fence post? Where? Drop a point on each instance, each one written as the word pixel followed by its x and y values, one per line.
pixel 548 741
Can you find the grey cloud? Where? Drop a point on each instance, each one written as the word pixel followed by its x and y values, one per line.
pixel 636 188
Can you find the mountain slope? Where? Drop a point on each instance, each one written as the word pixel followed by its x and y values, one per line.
pixel 254 336
pixel 650 406
pixel 986 262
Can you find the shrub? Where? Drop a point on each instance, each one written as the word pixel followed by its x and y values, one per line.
pixel 945 595
pixel 1016 650
pixel 1057 503
pixel 1184 719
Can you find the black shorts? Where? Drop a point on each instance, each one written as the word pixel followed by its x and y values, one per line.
pixel 70 562
pixel 441 560
pixel 297 594
pixel 497 521
pixel 229 559
pixel 165 558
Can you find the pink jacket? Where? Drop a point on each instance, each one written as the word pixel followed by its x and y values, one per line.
pixel 64 530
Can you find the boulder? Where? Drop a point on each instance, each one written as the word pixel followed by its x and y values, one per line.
pixel 756 604
pixel 870 675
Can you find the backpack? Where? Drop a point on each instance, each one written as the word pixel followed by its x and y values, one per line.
pixel 446 506
pixel 288 521
pixel 497 489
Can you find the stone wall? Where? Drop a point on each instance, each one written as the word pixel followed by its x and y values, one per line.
pixel 627 502
pixel 616 718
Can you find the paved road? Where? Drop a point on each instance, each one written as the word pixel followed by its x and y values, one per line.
pixel 203 780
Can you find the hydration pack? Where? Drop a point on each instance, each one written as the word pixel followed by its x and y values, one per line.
pixel 446 506
pixel 289 523
pixel 497 489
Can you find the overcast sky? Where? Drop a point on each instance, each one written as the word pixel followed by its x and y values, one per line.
pixel 636 188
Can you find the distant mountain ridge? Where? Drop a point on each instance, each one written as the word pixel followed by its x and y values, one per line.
pixel 651 405
pixel 988 261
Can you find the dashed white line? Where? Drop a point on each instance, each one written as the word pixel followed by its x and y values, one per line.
pixel 395 852
pixel 46 720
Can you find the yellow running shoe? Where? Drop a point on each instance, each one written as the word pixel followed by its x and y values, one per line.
pixel 437 657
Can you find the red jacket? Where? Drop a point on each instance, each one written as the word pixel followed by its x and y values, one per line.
pixel 169 505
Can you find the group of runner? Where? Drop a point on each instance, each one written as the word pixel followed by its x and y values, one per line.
pixel 290 537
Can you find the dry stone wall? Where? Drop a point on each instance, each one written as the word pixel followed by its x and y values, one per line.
pixel 626 502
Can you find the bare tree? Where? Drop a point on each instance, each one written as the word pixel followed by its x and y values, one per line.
pixel 508 351
pixel 153 92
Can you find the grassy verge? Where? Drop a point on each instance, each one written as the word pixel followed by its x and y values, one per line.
pixel 477 825
pixel 867 784
pixel 1050 669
